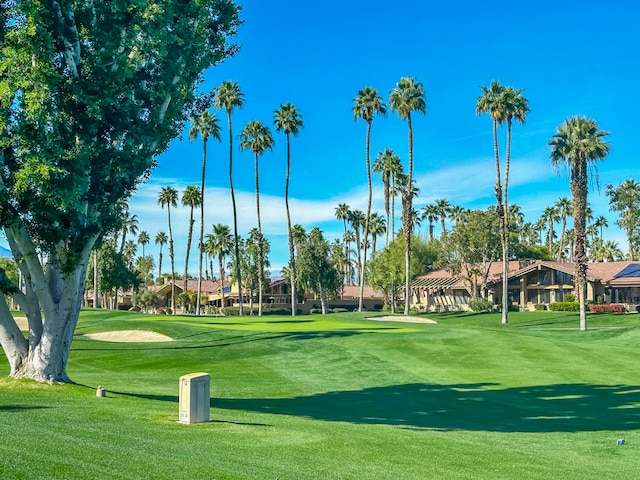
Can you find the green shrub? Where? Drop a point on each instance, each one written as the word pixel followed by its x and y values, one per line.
pixel 569 298
pixel 611 308
pixel 564 306
pixel 540 307
pixel 276 311
pixel 480 305
pixel 230 311
pixel 315 311
pixel 339 310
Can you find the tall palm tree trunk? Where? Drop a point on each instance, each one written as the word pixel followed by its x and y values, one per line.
pixel 187 254
pixel 579 189
pixel 505 230
pixel 236 241
pixel 221 267
pixel 503 226
pixel 393 209
pixel 201 239
pixel 260 259
pixel 172 259
pixel 292 253
pixel 407 197
pixel 366 219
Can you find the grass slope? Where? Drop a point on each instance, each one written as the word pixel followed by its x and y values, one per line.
pixel 337 397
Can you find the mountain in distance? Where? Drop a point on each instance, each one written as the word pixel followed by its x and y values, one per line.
pixel 5 252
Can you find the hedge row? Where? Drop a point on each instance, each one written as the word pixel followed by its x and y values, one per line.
pixel 564 307
pixel 232 311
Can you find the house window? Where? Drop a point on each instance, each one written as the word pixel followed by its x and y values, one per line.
pixel 538 296
pixel 563 278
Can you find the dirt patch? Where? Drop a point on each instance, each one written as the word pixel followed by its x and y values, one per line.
pixel 402 318
pixel 127 336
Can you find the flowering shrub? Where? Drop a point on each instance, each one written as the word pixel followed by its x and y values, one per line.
pixel 611 308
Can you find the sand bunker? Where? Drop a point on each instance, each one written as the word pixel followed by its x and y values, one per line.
pixel 127 336
pixel 402 318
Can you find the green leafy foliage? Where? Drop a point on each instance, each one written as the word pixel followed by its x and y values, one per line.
pixel 564 307
pixel 480 305
pixel 146 299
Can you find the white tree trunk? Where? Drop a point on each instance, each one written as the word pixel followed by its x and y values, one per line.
pixel 58 295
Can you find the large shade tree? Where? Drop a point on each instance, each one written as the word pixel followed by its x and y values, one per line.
pixel 315 269
pixel 406 97
pixel 90 93
pixel 229 97
pixel 206 125
pixel 287 119
pixel 577 145
pixel 256 136
pixel 366 106
pixel 625 199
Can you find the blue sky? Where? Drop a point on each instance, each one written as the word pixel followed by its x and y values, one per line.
pixel 571 57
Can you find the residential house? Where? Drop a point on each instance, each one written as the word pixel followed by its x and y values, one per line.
pixel 530 283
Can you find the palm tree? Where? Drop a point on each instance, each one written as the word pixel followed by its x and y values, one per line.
pixel 206 125
pixel 431 214
pixel 388 164
pixel 578 144
pixel 348 237
pixel 549 217
pixel 528 234
pixel 377 226
pixel 220 243
pixel 161 239
pixel 625 199
pixel 443 207
pixel 190 198
pixel 289 121
pixel 228 96
pixel 611 251
pixel 256 137
pixel 408 96
pixel 503 104
pixel 343 213
pixel 516 217
pixel 457 214
pixel 397 180
pixel 169 197
pixel 356 219
pixel 367 104
pixel 564 207
pixel 129 225
pixel 143 239
pixel 601 222
pixel 299 237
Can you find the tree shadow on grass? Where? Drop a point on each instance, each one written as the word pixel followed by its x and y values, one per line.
pixel 20 408
pixel 474 407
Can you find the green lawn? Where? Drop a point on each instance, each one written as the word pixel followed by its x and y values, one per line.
pixel 337 397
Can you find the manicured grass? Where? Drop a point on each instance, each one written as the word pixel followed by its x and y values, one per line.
pixel 337 397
